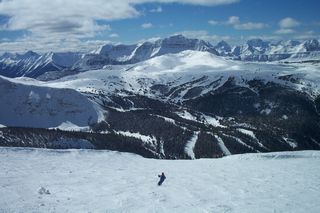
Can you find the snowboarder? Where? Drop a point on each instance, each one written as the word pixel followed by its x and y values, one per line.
pixel 162 178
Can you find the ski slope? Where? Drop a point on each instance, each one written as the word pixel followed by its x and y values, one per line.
pixel 39 180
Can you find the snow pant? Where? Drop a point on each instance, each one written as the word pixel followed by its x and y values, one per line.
pixel 160 182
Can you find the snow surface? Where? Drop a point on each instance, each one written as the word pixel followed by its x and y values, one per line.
pixel 252 135
pixel 39 180
pixel 213 121
pixel 186 115
pixel 69 126
pixel 145 138
pixel 191 144
pixel 290 141
pixel 24 103
pixel 247 132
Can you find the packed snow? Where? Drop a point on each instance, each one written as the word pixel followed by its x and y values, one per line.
pixel 39 180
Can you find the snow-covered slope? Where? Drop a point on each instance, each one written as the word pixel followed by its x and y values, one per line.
pixel 176 69
pixel 190 104
pixel 37 180
pixel 29 105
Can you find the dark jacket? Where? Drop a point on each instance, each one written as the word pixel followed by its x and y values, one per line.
pixel 162 178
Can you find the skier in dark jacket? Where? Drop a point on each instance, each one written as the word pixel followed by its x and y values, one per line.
pixel 162 178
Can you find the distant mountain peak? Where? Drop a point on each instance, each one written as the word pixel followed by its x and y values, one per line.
pixel 30 53
pixel 257 42
pixel 312 45
pixel 223 46
pixel 32 64
pixel 177 36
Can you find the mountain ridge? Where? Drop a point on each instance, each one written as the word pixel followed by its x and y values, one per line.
pixel 33 65
pixel 185 105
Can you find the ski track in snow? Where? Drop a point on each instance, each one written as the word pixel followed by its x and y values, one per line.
pixel 106 181
pixel 145 138
pixel 223 147
pixel 252 135
pixel 191 144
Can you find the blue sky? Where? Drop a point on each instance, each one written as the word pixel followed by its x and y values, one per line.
pixel 57 25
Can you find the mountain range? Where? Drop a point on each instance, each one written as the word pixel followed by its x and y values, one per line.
pixel 51 65
pixel 185 105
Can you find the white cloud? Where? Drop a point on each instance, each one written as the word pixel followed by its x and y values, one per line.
pixel 204 35
pixel 152 39
pixel 235 22
pixel 238 25
pixel 263 37
pixel 113 35
pixel 74 19
pixel 213 22
pixel 146 25
pixel 285 31
pixel 156 10
pixel 48 45
pixel 192 2
pixel 250 26
pixel 288 23
pixel 307 35
pixel 286 26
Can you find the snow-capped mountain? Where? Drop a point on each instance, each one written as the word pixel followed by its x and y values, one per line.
pixel 56 65
pixel 190 104
pixel 147 50
pixel 130 54
pixel 253 50
pixel 33 65
pixel 223 48
pixel 288 51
